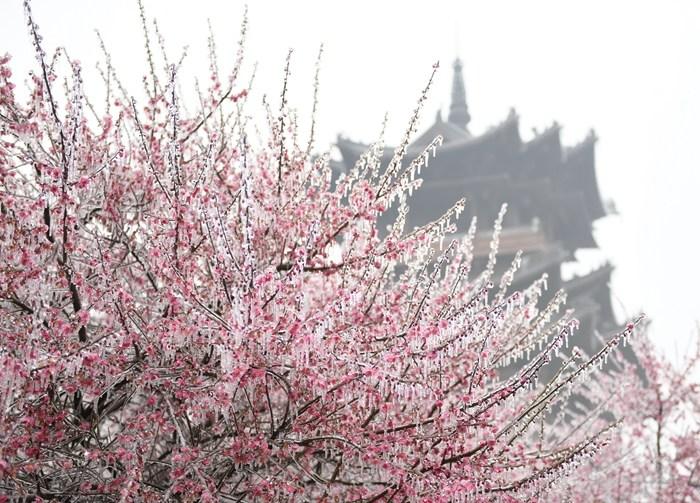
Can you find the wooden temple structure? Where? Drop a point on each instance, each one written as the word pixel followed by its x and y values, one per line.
pixel 552 195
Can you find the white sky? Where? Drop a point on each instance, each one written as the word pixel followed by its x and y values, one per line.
pixel 628 69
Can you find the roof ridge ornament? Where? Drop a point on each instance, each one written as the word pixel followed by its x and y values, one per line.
pixel 459 112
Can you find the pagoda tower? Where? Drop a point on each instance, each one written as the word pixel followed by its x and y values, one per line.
pixel 552 195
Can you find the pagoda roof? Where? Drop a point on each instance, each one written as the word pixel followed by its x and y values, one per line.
pixel 450 134
pixel 561 182
pixel 584 283
pixel 552 192
pixel 454 139
pixel 463 153
pixel 594 286
pixel 579 167
pixel 507 131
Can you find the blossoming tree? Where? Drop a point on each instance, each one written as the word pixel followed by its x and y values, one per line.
pixel 656 455
pixel 192 312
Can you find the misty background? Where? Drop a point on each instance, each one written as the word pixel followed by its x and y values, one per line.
pixel 627 69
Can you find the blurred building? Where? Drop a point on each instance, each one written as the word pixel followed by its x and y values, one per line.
pixel 552 195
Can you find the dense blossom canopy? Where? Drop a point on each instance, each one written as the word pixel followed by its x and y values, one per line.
pixel 193 308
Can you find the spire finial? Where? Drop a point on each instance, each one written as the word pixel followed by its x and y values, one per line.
pixel 459 113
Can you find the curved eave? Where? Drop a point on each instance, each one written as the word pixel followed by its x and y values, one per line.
pixel 548 136
pixel 599 277
pixel 350 151
pixel 574 223
pixel 595 286
pixel 507 132
pixel 449 132
pixel 469 151
pixel 353 147
pixel 542 155
pixel 579 172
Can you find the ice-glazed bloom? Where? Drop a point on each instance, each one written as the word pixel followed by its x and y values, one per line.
pixel 194 307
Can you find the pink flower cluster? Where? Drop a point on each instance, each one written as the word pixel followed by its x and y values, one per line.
pixel 188 314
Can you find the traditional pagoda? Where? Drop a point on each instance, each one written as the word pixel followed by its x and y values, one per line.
pixel 551 191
